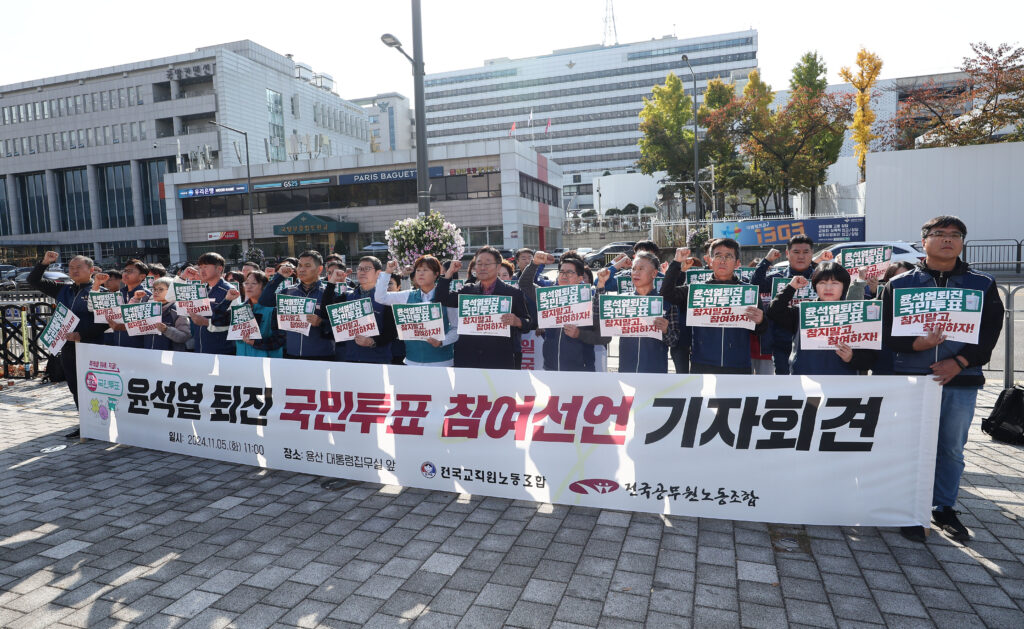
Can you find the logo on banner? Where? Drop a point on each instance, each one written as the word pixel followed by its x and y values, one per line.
pixel 428 469
pixel 594 486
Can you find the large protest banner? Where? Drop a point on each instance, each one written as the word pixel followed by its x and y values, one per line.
pixel 828 450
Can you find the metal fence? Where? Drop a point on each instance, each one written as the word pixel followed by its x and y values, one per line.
pixel 20 328
pixel 998 255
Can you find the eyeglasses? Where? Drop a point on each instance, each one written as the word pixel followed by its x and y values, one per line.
pixel 567 273
pixel 945 235
pixel 365 269
pixel 727 257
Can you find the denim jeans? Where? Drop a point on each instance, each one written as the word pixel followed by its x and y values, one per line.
pixel 955 416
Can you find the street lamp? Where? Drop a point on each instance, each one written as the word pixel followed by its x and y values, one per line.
pixel 248 181
pixel 696 161
pixel 422 178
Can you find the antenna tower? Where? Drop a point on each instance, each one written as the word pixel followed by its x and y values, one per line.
pixel 610 34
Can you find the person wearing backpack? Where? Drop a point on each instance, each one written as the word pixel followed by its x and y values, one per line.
pixel 953 364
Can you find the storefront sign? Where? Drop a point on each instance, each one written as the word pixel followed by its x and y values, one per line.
pixel 229 235
pixel 388 175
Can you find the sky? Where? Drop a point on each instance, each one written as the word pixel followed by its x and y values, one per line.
pixel 342 38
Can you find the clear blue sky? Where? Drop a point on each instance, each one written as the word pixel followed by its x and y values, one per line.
pixel 342 38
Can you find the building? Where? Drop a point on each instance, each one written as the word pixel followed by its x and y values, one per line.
pixel 499 192
pixel 392 122
pixel 83 156
pixel 578 106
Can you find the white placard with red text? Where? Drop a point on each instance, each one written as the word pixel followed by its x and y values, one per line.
pixel 192 298
pixel 631 315
pixel 142 319
pixel 350 319
pixel 954 311
pixel 829 450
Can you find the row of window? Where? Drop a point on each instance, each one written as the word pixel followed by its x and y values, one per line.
pixel 452 188
pixel 554 149
pixel 581 189
pixel 72 105
pixel 504 114
pixel 479 76
pixel 587 76
pixel 559 121
pixel 74 139
pixel 339 120
pixel 598 159
pixel 682 50
pixel 537 190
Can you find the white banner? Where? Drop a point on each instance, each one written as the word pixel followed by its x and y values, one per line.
pixel 825 324
pixel 106 306
pixel 955 311
pixel 829 450
pixel 142 319
pixel 720 305
pixel 192 298
pixel 630 315
pixel 419 322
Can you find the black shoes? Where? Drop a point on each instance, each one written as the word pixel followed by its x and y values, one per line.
pixel 945 518
pixel 74 434
pixel 913 533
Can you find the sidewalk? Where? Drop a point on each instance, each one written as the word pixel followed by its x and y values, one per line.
pixel 97 535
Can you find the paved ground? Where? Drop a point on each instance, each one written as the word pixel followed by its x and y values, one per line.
pixel 97 535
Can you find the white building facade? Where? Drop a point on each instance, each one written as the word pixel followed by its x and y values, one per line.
pixel 391 120
pixel 591 95
pixel 83 156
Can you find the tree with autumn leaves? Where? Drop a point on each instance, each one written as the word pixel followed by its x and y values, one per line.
pixel 869 66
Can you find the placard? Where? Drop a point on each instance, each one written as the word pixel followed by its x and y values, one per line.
pixel 480 315
pixel 54 335
pixel 192 298
pixel 419 322
pixel 807 293
pixel 626 286
pixel 825 324
pixel 630 315
pixel 106 306
pixel 243 323
pixel 456 286
pixel 350 319
pixel 292 311
pixel 875 259
pixel 955 311
pixel 720 305
pixel 558 306
pixel 142 319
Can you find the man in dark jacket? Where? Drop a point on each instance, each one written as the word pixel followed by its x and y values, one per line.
pixel 487 352
pixel 75 298
pixel 210 271
pixel 363 349
pixel 131 281
pixel 955 365
pixel 316 345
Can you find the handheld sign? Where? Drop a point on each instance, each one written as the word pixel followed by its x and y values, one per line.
pixel 558 306
pixel 243 323
pixel 720 305
pixel 630 315
pixel 480 315
pixel 626 286
pixel 419 322
pixel 141 319
pixel 147 283
pixel 456 286
pixel 746 273
pixel 699 276
pixel 876 259
pixel 192 299
pixel 292 311
pixel 825 324
pixel 955 311
pixel 61 323
pixel 806 293
pixel 106 307
pixel 350 319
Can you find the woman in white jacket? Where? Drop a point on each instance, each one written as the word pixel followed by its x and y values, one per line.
pixel 426 269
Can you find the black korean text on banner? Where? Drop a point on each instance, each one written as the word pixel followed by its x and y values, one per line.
pixel 106 306
pixel 955 311
pixel 350 319
pixel 243 323
pixel 293 311
pixel 829 450
pixel 559 306
pixel 142 319
pixel 825 324
pixel 419 322
pixel 720 305
pixel 192 298
pixel 630 315
pixel 480 315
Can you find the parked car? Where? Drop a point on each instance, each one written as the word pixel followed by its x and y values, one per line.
pixel 12 273
pixel 5 269
pixel 902 251
pixel 596 259
pixel 21 281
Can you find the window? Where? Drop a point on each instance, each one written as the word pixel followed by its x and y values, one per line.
pixel 275 116
pixel 104 101
pixel 115 186
pixel 79 249
pixel 35 215
pixel 73 193
pixel 110 250
pixel 153 171
pixel 5 212
pixel 131 96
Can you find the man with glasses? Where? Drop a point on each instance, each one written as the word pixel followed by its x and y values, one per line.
pixel 953 364
pixel 317 345
pixel 363 349
pixel 487 352
pixel 131 281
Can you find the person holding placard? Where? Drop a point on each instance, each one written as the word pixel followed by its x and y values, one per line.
pixel 569 346
pixel 134 272
pixel 718 348
pixel 312 343
pixel 799 252
pixel 945 293
pixel 431 352
pixel 75 297
pixel 271 340
pixel 831 282
pixel 375 349
pixel 210 271
pixel 174 327
pixel 643 354
pixel 487 351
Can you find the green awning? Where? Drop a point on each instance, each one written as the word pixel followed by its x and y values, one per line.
pixel 307 223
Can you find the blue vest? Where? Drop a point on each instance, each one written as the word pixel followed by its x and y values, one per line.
pixel 317 343
pixel 207 342
pixel 642 355
pixel 721 347
pixel 423 352
pixel 564 353
pixel 919 362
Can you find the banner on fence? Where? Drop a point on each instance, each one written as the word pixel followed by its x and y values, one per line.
pixel 777 232
pixel 825 324
pixel 54 335
pixel 798 449
pixel 720 305
pixel 955 311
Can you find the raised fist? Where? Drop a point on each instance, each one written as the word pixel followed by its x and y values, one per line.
pixel 232 295
pixel 773 256
pixel 602 277
pixel 287 270
pixel 825 256
pixel 682 253
pixel 101 278
pixel 453 268
pixel 140 294
pixel 543 257
pixel 392 267
pixel 50 257
pixel 270 271
pixel 337 276
pixel 798 282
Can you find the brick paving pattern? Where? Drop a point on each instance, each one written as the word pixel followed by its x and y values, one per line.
pixel 99 535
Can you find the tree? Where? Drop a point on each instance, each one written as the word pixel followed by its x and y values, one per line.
pixel 869 65
pixel 811 73
pixel 667 142
pixel 719 146
pixel 987 106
